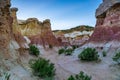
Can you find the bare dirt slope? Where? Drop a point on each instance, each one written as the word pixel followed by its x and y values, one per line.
pixel 67 65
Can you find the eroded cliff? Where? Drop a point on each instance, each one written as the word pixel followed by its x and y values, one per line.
pixel 37 31
pixel 5 28
pixel 10 59
pixel 108 22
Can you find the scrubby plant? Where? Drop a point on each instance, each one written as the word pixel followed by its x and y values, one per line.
pixel 80 76
pixel 61 51
pixel 117 57
pixel 34 50
pixel 50 46
pixel 74 47
pixel 6 76
pixel 104 53
pixel 65 51
pixel 43 68
pixel 89 54
pixel 68 51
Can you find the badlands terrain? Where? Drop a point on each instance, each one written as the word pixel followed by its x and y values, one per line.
pixel 17 37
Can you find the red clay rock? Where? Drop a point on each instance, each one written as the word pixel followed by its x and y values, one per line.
pixel 5 27
pixel 46 36
pixel 108 22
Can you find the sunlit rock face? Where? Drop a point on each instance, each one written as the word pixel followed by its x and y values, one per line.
pixel 30 27
pixel 38 32
pixel 16 29
pixel 43 35
pixel 108 22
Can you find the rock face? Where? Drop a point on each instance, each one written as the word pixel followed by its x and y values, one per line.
pixel 30 27
pixel 5 27
pixel 38 32
pixel 13 15
pixel 9 53
pixel 108 22
pixel 74 36
pixel 16 29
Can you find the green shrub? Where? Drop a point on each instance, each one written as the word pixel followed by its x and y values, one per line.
pixel 65 51
pixel 74 47
pixel 89 54
pixel 6 76
pixel 117 57
pixel 61 51
pixel 80 76
pixel 104 53
pixel 34 50
pixel 50 46
pixel 43 68
pixel 68 51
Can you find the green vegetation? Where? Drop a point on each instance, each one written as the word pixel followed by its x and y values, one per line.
pixel 80 76
pixel 89 54
pixel 74 47
pixel 117 57
pixel 34 50
pixel 77 28
pixel 43 68
pixel 68 51
pixel 61 51
pixel 6 76
pixel 50 46
pixel 65 51
pixel 104 53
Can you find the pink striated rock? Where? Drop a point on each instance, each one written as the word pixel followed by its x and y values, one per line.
pixel 108 22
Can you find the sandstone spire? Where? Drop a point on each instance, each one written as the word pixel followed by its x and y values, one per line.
pixel 13 14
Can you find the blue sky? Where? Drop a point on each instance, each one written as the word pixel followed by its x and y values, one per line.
pixel 63 14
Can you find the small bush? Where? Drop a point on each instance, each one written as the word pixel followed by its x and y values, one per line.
pixel 117 57
pixel 89 54
pixel 43 68
pixel 50 46
pixel 80 76
pixel 74 47
pixel 65 51
pixel 104 53
pixel 34 50
pixel 68 51
pixel 61 51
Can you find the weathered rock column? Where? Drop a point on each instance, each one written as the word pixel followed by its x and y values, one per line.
pixel 13 13
pixel 5 28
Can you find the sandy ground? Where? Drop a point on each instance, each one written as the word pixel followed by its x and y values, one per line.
pixel 70 65
pixel 65 66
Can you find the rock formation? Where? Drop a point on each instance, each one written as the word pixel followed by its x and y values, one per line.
pixel 30 27
pixel 108 22
pixel 10 60
pixel 5 27
pixel 38 32
pixel 15 22
pixel 74 36
pixel 16 29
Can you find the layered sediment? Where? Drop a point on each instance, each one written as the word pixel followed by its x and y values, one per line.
pixel 108 22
